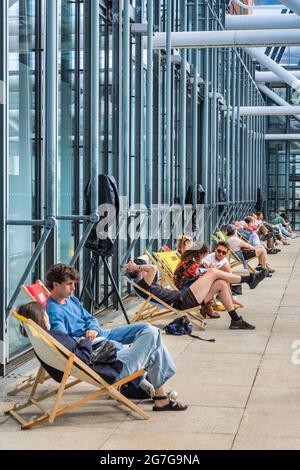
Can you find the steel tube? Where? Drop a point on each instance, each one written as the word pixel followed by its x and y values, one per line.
pixel 282 136
pixel 255 22
pixel 215 39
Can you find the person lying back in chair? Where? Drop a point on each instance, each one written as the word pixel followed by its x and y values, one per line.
pixel 200 291
pixel 146 351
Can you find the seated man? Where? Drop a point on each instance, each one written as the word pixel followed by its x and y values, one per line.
pixel 218 259
pixel 237 245
pixel 67 315
pixel 258 232
pixel 202 290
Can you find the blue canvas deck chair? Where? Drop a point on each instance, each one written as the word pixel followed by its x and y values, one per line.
pixel 54 354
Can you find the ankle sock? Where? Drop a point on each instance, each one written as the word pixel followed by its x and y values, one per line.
pixel 233 315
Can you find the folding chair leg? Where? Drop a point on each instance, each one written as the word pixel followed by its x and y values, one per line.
pixel 61 388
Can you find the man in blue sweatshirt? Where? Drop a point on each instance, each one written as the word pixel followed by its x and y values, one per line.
pixel 146 351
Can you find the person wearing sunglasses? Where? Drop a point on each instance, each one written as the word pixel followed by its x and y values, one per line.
pixel 218 258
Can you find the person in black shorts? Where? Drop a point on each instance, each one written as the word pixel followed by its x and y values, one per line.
pixel 201 291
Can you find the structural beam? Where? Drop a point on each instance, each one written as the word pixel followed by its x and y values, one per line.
pixel 286 76
pixel 282 136
pixel 270 77
pixel 255 22
pixel 215 39
pixel 268 110
pixel 274 97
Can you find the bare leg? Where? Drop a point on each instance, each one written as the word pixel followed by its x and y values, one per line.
pixel 222 288
pixel 201 287
pixel 262 256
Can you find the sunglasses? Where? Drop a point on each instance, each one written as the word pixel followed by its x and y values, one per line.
pixel 221 252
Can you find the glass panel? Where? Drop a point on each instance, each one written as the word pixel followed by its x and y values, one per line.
pixel 21 63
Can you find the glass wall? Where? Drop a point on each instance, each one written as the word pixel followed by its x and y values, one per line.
pixel 164 129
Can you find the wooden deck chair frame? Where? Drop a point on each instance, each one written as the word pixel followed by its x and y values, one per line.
pixel 73 365
pixel 154 309
pixel 165 272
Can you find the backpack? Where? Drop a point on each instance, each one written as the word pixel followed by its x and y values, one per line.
pixel 181 326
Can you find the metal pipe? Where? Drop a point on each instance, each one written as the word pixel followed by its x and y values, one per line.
pixel 270 77
pixel 293 5
pixel 183 101
pixel 3 172
pixel 195 109
pixel 256 22
pixel 149 100
pixel 255 7
pixel 26 222
pixel 268 110
pixel 168 101
pixel 51 105
pixel 29 267
pixel 215 39
pixel 282 136
pixel 277 99
pixel 81 243
pixel 286 76
pixel 94 106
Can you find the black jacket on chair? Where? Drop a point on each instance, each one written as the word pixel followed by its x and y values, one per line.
pixel 83 351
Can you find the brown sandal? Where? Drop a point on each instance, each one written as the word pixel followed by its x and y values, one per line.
pixel 171 406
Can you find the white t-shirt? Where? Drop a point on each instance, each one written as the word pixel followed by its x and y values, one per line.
pixel 234 243
pixel 211 259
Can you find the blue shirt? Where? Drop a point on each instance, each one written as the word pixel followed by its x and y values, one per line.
pixel 71 318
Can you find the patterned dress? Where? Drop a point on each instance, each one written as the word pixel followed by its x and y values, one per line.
pixel 185 272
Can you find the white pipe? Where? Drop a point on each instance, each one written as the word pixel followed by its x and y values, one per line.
pixel 277 99
pixel 286 76
pixel 254 7
pixel 282 136
pixel 210 39
pixel 292 5
pixel 268 110
pixel 270 77
pixel 244 22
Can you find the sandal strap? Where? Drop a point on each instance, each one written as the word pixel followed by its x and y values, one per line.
pixel 163 397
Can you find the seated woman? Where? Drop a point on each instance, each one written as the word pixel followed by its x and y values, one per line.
pixel 146 352
pixel 183 244
pixel 190 265
pixel 202 290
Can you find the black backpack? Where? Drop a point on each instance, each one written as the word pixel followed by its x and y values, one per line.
pixel 108 194
pixel 181 326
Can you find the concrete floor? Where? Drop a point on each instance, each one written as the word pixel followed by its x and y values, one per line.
pixel 243 391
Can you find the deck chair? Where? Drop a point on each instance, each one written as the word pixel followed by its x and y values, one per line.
pixel 57 356
pixel 39 293
pixel 166 262
pixel 234 259
pixel 154 309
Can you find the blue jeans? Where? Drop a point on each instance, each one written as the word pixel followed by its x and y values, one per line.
pixel 146 352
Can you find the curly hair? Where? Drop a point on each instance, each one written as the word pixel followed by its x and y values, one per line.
pixel 61 273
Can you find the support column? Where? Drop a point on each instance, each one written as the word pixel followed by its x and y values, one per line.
pixel 51 94
pixel 3 173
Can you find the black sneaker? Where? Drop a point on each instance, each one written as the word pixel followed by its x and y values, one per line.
pixel 241 325
pixel 259 268
pixel 256 278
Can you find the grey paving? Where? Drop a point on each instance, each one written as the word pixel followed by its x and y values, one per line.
pixel 243 391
